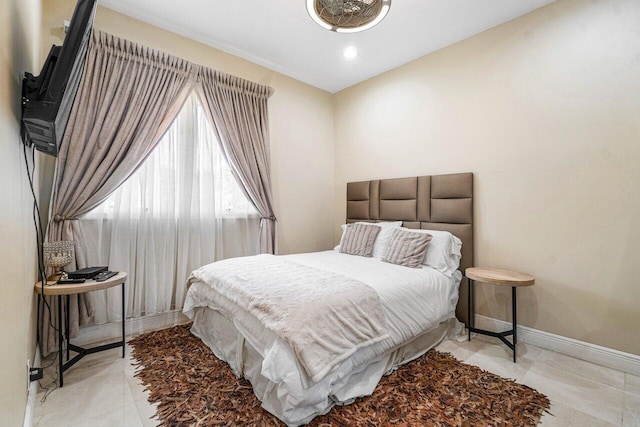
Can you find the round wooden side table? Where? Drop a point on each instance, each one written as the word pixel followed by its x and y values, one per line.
pixel 499 277
pixel 66 290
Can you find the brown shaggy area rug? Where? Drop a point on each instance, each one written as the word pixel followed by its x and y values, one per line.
pixel 194 388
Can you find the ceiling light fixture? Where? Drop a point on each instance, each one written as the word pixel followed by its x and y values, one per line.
pixel 347 16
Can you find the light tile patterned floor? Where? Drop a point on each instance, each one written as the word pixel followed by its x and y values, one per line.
pixel 101 390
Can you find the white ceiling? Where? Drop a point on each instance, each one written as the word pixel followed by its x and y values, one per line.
pixel 280 35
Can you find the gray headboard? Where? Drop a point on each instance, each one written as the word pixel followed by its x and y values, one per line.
pixel 435 202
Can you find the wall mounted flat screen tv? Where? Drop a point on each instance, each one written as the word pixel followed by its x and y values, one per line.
pixel 47 98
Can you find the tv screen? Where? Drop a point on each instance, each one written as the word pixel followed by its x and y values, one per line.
pixel 47 98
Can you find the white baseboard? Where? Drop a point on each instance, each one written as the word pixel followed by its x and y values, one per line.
pixel 30 410
pixel 604 356
pixel 139 325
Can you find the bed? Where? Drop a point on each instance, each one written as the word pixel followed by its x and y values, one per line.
pixel 418 307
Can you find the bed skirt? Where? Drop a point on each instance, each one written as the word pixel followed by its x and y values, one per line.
pixel 276 382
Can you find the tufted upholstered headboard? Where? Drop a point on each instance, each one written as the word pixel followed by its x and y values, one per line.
pixel 435 202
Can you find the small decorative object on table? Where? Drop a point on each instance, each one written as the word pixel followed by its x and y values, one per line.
pixel 58 254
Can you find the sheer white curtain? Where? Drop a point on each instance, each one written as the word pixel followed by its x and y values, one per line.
pixel 182 209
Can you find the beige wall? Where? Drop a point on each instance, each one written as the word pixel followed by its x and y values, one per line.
pixel 301 122
pixel 19 38
pixel 545 110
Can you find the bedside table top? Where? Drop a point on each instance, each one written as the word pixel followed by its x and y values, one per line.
pixel 497 276
pixel 90 285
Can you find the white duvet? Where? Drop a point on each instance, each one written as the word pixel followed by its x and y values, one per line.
pixel 413 301
pixel 325 317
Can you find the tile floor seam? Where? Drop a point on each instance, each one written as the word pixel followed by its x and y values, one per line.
pixel 624 378
pixel 624 400
pixel 634 416
pixel 581 376
pixel 619 411
pixel 631 384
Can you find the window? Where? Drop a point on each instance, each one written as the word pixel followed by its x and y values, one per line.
pixel 187 157
pixel 180 210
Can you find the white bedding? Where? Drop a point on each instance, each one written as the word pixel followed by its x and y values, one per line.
pixel 414 301
pixel 325 317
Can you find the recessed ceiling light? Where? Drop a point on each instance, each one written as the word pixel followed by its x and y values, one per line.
pixel 350 52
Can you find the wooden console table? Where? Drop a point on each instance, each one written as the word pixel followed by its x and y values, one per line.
pixel 53 289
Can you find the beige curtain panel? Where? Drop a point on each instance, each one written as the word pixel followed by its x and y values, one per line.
pixel 237 109
pixel 128 97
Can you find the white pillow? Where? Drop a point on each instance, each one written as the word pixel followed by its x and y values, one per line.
pixel 383 239
pixel 443 252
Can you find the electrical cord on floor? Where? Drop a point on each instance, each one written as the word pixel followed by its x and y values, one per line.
pixel 52 386
pixel 54 383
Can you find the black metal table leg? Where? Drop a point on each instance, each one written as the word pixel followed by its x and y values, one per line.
pixel 66 327
pixel 123 319
pixel 60 363
pixel 500 335
pixel 514 321
pixel 470 306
